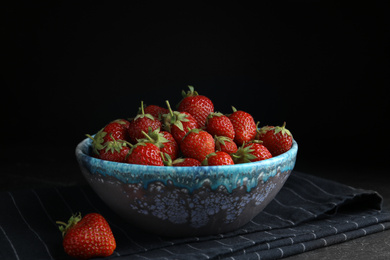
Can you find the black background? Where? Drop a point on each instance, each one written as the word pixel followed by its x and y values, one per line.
pixel 321 66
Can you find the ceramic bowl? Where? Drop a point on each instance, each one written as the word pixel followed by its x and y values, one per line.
pixel 186 201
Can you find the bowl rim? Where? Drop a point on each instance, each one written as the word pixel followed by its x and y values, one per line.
pixel 82 155
pixel 189 178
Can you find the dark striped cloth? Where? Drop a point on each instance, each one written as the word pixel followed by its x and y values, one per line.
pixel 308 213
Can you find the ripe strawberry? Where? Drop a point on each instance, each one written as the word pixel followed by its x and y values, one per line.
pixel 163 140
pixel 145 154
pixel 259 150
pixel 186 162
pixel 277 139
pixel 197 144
pixel 225 144
pixel 87 237
pixel 179 161
pixel 218 158
pixel 156 111
pixel 142 122
pixel 178 123
pixel 114 150
pixel 244 126
pixel 117 129
pixel 171 147
pixel 197 105
pixel 220 125
pixel 251 152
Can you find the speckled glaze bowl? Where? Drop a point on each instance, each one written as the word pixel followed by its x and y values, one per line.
pixel 186 201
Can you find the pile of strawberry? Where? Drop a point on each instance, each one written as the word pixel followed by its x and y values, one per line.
pixel 192 135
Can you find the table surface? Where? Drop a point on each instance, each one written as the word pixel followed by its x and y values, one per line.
pixel 28 175
pixel 375 246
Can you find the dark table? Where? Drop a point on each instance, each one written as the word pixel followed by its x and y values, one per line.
pixel 35 174
pixel 375 246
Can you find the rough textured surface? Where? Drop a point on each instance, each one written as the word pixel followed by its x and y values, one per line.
pixel 174 211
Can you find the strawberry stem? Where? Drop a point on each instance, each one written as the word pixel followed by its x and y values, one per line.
pixel 167 160
pixel 147 136
pixel 65 227
pixel 61 223
pixel 142 107
pixel 169 107
pixel 126 142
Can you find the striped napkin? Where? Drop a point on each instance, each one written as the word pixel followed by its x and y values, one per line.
pixel 308 213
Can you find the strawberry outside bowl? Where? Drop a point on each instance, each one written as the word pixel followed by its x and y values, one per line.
pixel 186 201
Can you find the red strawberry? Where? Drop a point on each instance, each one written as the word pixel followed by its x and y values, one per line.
pixel 244 126
pixel 163 140
pixel 260 151
pixel 142 122
pixel 197 144
pixel 277 139
pixel 114 150
pixel 225 144
pixel 186 162
pixel 179 161
pixel 219 124
pixel 156 111
pixel 145 154
pixel 171 147
pixel 197 105
pixel 117 129
pixel 218 158
pixel 87 237
pixel 251 152
pixel 179 123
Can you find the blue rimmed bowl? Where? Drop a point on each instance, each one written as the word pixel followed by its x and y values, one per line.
pixel 186 201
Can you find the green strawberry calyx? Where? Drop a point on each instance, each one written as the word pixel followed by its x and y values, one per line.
pixel 206 160
pixel 194 130
pixel 115 145
pixel 174 118
pixel 283 130
pixel 190 93
pixel 265 129
pixel 142 114
pixel 220 140
pixel 166 158
pixel 178 160
pixel 154 137
pixel 119 121
pixel 234 110
pixel 243 154
pixel 213 114
pixel 133 147
pixel 65 227
pixel 277 129
pixel 97 141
